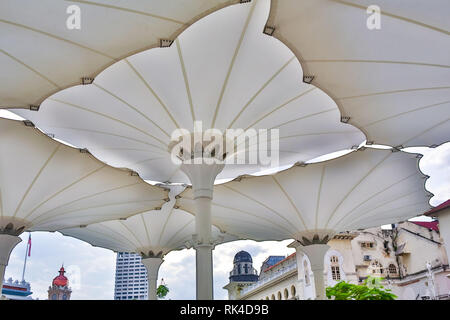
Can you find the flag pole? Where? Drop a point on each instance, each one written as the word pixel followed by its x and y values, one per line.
pixel 27 252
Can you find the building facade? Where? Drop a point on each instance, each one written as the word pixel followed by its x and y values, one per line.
pixel 410 257
pixel 131 277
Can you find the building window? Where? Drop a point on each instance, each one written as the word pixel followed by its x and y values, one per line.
pixel 335 270
pixel 272 297
pixel 286 294
pixel 392 269
pixel 377 268
pixel 279 295
pixel 293 291
pixel 367 245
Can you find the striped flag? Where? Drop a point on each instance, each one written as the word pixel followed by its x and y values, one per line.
pixel 29 245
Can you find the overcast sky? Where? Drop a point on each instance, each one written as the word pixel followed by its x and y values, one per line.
pixel 91 269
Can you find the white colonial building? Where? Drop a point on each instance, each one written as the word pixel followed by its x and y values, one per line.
pixel 410 257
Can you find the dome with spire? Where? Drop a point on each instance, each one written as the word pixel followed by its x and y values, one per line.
pixel 61 280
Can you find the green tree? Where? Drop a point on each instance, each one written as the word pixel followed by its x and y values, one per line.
pixel 370 290
pixel 162 291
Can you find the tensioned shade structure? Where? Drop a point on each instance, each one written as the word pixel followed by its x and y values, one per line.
pixel 394 82
pixel 41 55
pixel 46 185
pixel 224 71
pixel 312 202
pixel 361 189
pixel 152 234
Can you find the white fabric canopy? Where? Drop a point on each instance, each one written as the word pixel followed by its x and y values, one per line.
pixel 362 189
pixel 223 71
pixel 46 185
pixel 153 233
pixel 40 55
pixel 393 83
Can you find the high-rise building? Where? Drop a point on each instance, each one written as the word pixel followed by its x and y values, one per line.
pixel 131 277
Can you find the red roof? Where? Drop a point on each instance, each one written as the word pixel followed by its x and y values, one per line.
pixel 433 225
pixel 442 206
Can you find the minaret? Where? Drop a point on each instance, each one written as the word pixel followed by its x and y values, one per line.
pixel 59 289
pixel 242 275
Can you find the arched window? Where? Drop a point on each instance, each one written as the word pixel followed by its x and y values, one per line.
pixel 293 291
pixel 272 297
pixel 335 269
pixel 279 295
pixel 377 268
pixel 267 298
pixel 307 279
pixel 392 269
pixel 64 297
pixel 286 294
pixel 54 297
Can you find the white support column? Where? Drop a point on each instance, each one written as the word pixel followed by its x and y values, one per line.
pixel 202 177
pixel 7 244
pixel 299 255
pixel 152 265
pixel 316 254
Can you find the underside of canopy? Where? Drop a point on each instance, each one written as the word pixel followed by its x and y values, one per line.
pixel 46 185
pixel 40 55
pixel 394 82
pixel 224 71
pixel 151 234
pixel 362 189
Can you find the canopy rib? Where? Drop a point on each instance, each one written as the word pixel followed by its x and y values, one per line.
pixel 147 85
pixel 319 192
pixel 258 202
pixel 113 135
pixel 252 215
pixel 146 229
pixel 131 233
pixel 58 38
pixel 59 215
pixel 260 90
pixel 391 210
pixel 423 64
pixel 290 201
pixel 65 188
pixel 31 69
pixel 427 130
pixel 36 177
pixel 109 117
pixel 385 203
pixel 355 186
pixel 233 59
pixel 92 3
pixel 173 238
pixel 185 77
pixel 281 106
pixel 407 112
pixel 391 92
pixel 90 196
pixel 348 214
pixel 165 225
pixel 133 108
